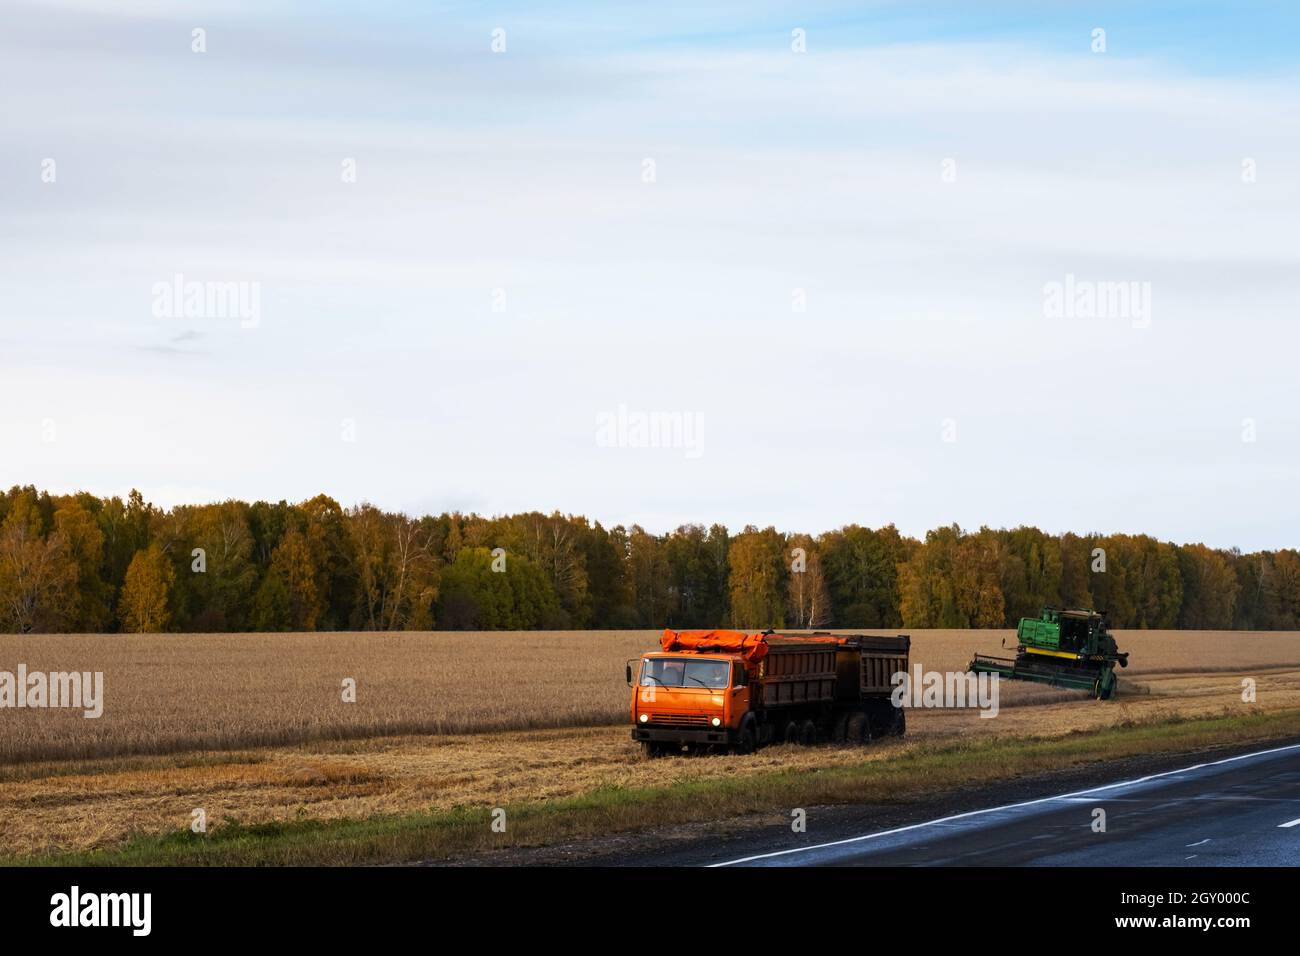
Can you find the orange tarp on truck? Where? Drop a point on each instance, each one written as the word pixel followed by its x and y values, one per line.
pixel 753 647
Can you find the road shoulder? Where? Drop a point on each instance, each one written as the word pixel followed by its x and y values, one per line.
pixel 701 844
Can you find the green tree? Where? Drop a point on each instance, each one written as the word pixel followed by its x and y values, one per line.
pixel 126 528
pixel 214 590
pixel 553 544
pixel 1030 573
pixel 926 592
pixel 473 596
pixel 1077 572
pixel 695 565
pixel 272 609
pixel 1142 585
pixel 268 524
pixel 648 575
pixel 1279 590
pixel 1210 588
pixel 759 571
pixel 293 571
pixel 81 543
pixel 612 604
pixel 953 580
pixel 862 574
pixel 1248 612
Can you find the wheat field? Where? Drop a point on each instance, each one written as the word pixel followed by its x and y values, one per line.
pixel 213 692
pixel 253 728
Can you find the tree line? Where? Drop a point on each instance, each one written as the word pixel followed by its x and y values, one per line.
pixel 80 563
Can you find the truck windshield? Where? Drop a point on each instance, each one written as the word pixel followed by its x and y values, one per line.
pixel 676 672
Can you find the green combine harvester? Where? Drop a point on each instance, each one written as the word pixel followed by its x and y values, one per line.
pixel 1070 648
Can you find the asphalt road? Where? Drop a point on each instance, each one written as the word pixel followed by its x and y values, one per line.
pixel 1237 811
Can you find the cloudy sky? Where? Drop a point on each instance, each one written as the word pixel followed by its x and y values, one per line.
pixel 836 265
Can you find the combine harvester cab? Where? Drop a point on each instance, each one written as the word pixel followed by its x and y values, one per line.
pixel 731 690
pixel 1069 648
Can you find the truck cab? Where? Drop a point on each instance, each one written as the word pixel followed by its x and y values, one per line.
pixel 688 699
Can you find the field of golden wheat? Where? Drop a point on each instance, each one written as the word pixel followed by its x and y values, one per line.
pixel 253 728
pixel 181 692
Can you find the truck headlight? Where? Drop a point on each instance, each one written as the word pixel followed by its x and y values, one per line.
pixel 717 721
pixel 645 718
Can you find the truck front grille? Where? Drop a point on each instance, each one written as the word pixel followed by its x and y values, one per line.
pixel 681 720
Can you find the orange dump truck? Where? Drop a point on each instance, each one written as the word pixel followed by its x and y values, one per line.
pixel 716 690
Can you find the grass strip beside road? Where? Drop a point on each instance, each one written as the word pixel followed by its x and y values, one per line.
pixel 915 772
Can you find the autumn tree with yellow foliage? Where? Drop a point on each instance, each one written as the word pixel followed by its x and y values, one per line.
pixel 144 605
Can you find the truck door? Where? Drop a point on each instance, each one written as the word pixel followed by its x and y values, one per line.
pixel 738 703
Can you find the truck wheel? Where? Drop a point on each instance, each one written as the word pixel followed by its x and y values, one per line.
pixel 839 732
pixel 857 730
pixel 899 726
pixel 650 749
pixel 746 738
pixel 791 735
pixel 808 733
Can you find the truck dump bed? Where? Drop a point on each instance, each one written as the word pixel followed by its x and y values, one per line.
pixel 868 662
pixel 798 670
pixel 804 668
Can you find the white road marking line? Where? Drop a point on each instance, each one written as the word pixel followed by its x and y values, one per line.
pixel 1291 824
pixel 1202 843
pixel 1009 806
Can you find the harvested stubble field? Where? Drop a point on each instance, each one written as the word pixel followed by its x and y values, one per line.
pixel 252 728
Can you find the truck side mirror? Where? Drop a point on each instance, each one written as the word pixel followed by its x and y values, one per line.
pixel 629 675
